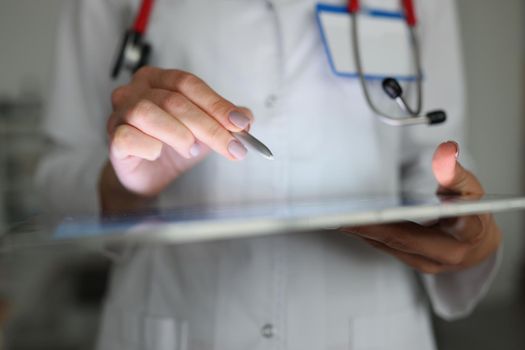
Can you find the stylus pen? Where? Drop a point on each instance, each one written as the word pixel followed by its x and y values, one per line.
pixel 251 142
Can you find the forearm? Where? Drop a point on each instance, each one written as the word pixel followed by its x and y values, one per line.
pixel 115 198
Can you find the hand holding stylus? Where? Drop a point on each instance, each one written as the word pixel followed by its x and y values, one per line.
pixel 163 123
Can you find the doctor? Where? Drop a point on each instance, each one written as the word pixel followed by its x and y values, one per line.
pixel 167 129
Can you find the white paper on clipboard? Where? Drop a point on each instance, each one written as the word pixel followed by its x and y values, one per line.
pixel 384 42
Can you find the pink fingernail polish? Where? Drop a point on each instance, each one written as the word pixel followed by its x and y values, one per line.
pixel 237 150
pixel 239 120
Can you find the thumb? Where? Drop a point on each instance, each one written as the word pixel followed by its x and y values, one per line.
pixel 450 174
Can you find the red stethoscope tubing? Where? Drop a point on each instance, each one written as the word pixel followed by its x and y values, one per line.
pixel 141 22
pixel 408 7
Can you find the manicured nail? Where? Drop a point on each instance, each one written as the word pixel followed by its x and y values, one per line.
pixel 239 120
pixel 195 150
pixel 237 150
pixel 456 146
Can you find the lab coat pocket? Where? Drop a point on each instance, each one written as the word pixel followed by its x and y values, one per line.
pixel 164 333
pixel 135 330
pixel 404 330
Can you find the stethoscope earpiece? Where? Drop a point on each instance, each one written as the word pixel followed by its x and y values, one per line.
pixel 436 117
pixel 134 53
pixel 393 89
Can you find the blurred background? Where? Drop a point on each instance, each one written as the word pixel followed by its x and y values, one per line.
pixel 53 296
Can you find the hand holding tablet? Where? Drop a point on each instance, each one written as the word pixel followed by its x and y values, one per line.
pixel 448 245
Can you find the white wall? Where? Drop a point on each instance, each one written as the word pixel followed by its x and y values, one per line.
pixel 494 47
pixel 27 30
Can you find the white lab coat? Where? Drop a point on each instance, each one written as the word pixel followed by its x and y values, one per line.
pixel 297 291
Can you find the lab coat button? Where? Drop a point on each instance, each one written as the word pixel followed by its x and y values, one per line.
pixel 267 330
pixel 270 101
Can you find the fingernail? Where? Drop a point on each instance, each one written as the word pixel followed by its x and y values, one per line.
pixel 195 150
pixel 456 146
pixel 237 150
pixel 239 120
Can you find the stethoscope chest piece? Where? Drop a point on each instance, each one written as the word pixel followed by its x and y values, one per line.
pixel 134 53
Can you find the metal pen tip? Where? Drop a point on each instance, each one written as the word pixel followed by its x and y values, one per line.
pixel 268 155
pixel 251 142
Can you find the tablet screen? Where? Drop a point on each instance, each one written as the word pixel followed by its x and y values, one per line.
pixel 173 224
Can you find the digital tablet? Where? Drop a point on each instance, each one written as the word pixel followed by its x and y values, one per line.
pixel 213 222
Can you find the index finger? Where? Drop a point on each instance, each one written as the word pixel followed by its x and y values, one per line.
pixel 197 91
pixel 412 238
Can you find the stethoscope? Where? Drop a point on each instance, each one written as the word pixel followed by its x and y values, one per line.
pixel 135 51
pixel 390 85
